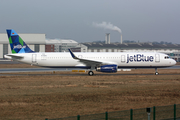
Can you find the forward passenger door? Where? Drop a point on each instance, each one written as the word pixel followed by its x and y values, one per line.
pixel 157 58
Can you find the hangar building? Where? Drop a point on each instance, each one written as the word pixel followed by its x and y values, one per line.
pixel 62 45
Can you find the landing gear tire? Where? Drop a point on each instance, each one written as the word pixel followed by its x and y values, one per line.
pixel 90 73
pixel 156 73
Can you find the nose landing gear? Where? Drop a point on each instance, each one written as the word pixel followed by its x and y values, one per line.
pixel 156 72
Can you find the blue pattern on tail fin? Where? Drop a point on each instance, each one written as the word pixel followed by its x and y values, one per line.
pixel 16 43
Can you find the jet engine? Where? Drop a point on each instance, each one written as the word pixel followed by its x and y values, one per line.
pixel 107 68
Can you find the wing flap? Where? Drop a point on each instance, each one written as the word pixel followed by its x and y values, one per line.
pixel 90 62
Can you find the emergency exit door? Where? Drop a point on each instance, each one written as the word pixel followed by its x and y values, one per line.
pixel 34 58
pixel 123 58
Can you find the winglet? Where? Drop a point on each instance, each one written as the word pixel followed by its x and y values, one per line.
pixel 72 54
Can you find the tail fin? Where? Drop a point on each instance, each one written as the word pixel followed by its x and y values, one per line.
pixel 16 43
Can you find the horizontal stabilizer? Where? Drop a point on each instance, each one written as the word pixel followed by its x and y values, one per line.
pixel 15 57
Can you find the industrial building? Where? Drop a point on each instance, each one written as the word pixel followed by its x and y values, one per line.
pixel 173 50
pixel 49 48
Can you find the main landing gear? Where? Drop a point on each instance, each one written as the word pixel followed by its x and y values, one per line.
pixel 156 72
pixel 90 73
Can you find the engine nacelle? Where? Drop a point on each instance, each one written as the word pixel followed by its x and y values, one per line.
pixel 107 68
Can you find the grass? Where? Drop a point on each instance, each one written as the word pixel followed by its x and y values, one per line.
pixel 36 97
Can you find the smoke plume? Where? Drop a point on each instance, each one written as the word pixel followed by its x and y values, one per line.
pixel 106 25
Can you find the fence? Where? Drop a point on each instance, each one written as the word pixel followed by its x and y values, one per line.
pixel 171 112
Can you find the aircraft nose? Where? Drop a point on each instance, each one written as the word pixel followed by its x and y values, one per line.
pixel 173 62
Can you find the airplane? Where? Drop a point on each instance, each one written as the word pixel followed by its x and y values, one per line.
pixel 108 62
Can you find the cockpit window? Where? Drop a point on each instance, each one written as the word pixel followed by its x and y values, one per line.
pixel 166 57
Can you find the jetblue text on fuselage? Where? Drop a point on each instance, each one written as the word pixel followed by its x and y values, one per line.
pixel 139 58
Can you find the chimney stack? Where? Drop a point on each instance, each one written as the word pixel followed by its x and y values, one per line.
pixel 107 38
pixel 121 38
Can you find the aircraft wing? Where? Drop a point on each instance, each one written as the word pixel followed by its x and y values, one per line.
pixel 89 62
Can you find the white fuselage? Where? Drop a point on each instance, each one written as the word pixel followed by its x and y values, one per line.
pixel 121 59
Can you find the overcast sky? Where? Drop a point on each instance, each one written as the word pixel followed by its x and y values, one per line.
pixel 139 20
